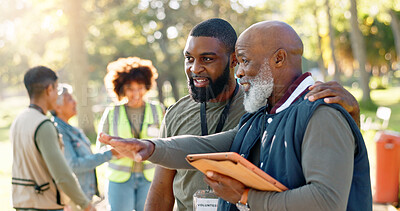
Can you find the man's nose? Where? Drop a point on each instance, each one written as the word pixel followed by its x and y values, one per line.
pixel 239 72
pixel 197 67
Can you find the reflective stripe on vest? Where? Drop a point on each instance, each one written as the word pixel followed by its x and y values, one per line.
pixel 120 169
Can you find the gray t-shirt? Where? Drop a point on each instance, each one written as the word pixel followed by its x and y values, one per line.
pixel 184 118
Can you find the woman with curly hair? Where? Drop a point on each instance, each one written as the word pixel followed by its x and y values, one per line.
pixel 128 80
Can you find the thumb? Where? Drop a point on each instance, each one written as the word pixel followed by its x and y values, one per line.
pixel 137 157
pixel 145 151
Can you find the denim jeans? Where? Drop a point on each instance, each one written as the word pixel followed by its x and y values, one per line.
pixel 130 195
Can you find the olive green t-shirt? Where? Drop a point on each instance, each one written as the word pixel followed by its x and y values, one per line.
pixel 183 118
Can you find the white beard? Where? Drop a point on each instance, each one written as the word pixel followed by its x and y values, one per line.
pixel 261 88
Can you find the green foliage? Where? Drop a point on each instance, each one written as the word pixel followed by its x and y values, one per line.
pixel 379 40
pixel 155 30
pixel 368 106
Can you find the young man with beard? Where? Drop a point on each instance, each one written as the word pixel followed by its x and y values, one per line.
pixel 202 52
pixel 209 66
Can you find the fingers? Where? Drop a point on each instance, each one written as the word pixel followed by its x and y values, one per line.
pixel 137 157
pixel 104 138
pixel 224 186
pixel 212 183
pixel 318 94
pixel 214 175
pixel 128 148
pixel 121 142
pixel 315 84
pixel 220 179
pixel 147 149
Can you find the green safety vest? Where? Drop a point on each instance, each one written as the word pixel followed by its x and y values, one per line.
pixel 119 170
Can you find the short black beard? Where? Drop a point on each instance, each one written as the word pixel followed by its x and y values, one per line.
pixel 204 94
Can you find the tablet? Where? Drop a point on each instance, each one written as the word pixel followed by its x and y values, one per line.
pixel 233 165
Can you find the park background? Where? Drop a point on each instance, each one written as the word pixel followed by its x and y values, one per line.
pixel 355 42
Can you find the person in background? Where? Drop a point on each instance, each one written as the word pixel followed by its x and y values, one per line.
pixel 40 173
pixel 128 80
pixel 77 149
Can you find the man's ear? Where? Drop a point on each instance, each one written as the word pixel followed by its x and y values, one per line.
pixel 233 60
pixel 49 89
pixel 280 57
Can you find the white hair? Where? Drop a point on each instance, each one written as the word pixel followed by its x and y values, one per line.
pixel 62 90
pixel 260 90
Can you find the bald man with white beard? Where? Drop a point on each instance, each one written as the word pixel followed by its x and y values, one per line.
pixel 313 148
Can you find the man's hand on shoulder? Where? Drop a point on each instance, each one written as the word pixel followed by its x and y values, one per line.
pixel 136 149
pixel 333 92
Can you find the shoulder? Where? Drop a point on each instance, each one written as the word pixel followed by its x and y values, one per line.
pixel 182 103
pixel 46 128
pixel 327 113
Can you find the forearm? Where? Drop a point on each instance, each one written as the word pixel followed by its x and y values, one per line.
pixel 161 196
pixel 84 161
pixel 309 197
pixel 57 165
pixel 89 162
pixel 171 152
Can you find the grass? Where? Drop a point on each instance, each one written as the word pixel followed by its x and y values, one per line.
pixel 10 107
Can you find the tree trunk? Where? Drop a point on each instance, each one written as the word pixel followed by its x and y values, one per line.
pixel 175 90
pixel 164 46
pixel 321 64
pixel 160 83
pixel 78 66
pixel 336 76
pixel 1 89
pixel 395 23
pixel 359 52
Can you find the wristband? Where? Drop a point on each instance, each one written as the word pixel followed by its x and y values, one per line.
pixel 242 203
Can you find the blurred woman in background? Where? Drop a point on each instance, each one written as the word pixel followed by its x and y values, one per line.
pixel 128 80
pixel 77 149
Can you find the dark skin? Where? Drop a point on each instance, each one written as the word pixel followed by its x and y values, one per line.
pixel 269 43
pixel 205 58
pixel 285 65
pixel 256 46
pixel 333 92
pixel 283 55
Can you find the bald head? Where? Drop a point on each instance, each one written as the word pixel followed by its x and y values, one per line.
pixel 269 36
pixel 269 55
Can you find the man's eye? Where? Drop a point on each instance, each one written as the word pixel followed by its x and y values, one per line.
pixel 188 59
pixel 207 59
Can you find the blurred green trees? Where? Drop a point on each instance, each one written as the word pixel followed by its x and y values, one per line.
pixel 79 38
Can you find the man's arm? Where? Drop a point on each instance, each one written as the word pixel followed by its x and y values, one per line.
pixel 327 162
pixel 47 141
pixel 171 152
pixel 161 195
pixel 333 92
